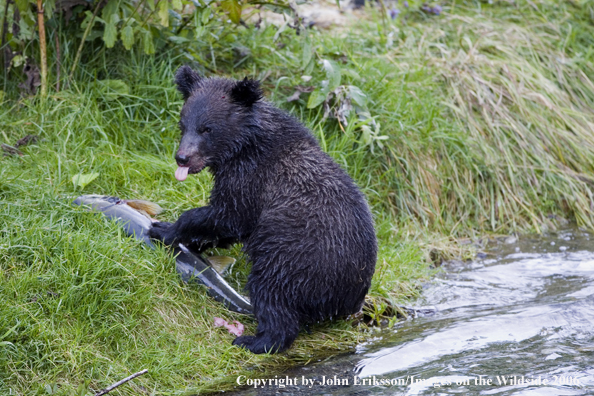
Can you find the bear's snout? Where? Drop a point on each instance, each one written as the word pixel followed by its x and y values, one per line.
pixel 182 159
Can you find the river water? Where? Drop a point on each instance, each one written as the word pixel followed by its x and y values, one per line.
pixel 520 321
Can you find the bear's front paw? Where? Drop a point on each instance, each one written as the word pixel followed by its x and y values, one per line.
pixel 162 231
pixel 257 344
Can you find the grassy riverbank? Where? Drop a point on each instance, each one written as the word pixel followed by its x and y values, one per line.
pixel 487 114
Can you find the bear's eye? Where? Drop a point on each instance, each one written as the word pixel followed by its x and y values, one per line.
pixel 205 130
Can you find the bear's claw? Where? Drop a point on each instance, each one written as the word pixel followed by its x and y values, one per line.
pixel 256 344
pixel 263 344
pixel 161 231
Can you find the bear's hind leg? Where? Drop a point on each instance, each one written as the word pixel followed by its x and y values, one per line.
pixel 272 336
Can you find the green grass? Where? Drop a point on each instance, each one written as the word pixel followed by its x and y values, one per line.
pixel 487 109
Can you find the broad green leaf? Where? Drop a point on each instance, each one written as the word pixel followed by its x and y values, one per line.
pixel 351 73
pixel 87 20
pixel 110 8
pixel 176 4
pixel 22 5
pixel 127 35
pixel 316 98
pixel 233 7
pixel 151 4
pixel 83 180
pixel 206 15
pixel 178 39
pixel 306 54
pixel 366 135
pixel 29 28
pixel 309 68
pixel 48 7
pixel 147 42
pixel 116 86
pixel 110 34
pixel 18 60
pixel 112 89
pixel 164 13
pixel 199 31
pixel 357 95
pixel 332 73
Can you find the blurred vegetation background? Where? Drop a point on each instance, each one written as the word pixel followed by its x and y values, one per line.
pixel 464 122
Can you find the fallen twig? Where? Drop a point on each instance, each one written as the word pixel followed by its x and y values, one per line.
pixel 113 386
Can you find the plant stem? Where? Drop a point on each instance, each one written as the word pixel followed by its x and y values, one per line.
pixel 384 13
pixel 82 42
pixel 140 3
pixel 4 28
pixel 150 15
pixel 58 63
pixel 42 47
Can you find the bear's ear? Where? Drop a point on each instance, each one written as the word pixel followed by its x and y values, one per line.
pixel 187 80
pixel 246 92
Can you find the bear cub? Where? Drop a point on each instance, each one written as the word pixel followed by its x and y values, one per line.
pixel 303 223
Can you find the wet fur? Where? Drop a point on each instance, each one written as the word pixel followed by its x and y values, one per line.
pixel 303 222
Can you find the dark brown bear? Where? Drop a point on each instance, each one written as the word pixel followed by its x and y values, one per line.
pixel 303 222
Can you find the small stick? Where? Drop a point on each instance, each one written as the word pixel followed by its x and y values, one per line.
pixel 113 386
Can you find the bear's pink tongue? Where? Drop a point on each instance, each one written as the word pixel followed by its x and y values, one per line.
pixel 181 173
